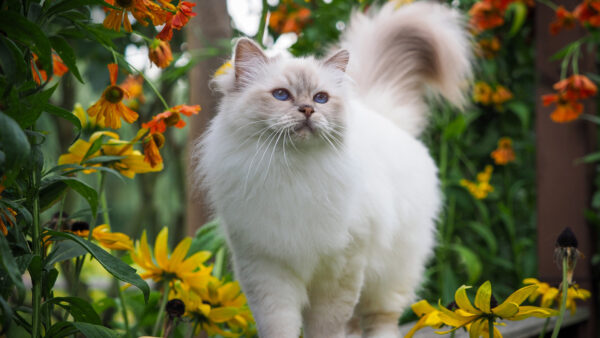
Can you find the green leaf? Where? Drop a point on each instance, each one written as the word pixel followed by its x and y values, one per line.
pixel 51 193
pixel 86 191
pixel 7 314
pixel 519 11
pixel 66 5
pixel 35 267
pixel 62 251
pixel 455 128
pixel 95 331
pixel 65 114
pixel 94 147
pixel 62 48
pixel 62 329
pixel 19 28
pixel 13 142
pixel 470 261
pixel 9 264
pixel 81 310
pixel 112 264
pixel 26 110
pixel 522 111
pixel 591 158
pixel 12 61
pixel 486 234
pixel 103 159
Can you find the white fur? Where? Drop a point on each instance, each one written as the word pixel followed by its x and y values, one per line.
pixel 334 224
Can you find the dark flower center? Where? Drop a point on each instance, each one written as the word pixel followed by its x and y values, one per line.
pixel 114 94
pixel 124 3
pixel 158 139
pixel 173 119
pixel 566 239
pixel 175 308
pixel 80 226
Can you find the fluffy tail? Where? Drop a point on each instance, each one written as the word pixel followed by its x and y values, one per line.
pixel 395 53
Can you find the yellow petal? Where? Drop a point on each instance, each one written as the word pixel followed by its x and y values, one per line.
pixel 549 297
pixel 422 308
pixel 195 260
pixel 533 311
pixel 79 148
pixel 483 296
pixel 145 252
pixel 419 325
pixel 205 309
pixel 520 295
pixel 228 292
pixel 97 135
pixel 506 309
pixel 476 326
pixel 453 319
pixel 222 314
pixel 160 249
pixel 463 301
pixel 179 254
pixel 531 281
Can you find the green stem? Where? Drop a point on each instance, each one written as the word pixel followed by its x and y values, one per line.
pixel 161 309
pixel 563 302
pixel 194 327
pixel 491 327
pixel 36 239
pixel 104 205
pixel 219 263
pixel 123 309
pixel 543 332
pixel 262 23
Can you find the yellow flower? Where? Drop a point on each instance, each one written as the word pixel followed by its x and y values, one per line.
pixel 219 307
pixel 223 69
pixel 171 268
pixel 551 294
pixel 482 187
pixel 102 234
pixel 110 108
pixel 501 95
pixel 482 93
pixel 84 118
pixel 131 163
pixel 504 154
pixel 429 316
pixel 476 316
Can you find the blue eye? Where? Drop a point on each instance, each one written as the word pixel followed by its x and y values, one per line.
pixel 281 94
pixel 321 97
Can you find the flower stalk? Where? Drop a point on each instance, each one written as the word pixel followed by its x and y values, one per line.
pixel 161 308
pixel 36 239
pixel 563 302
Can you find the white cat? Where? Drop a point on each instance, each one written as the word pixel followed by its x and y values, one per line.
pixel 327 198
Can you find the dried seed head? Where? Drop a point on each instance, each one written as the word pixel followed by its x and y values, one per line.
pixel 175 308
pixel 566 239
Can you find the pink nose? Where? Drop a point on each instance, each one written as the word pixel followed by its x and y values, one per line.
pixel 306 110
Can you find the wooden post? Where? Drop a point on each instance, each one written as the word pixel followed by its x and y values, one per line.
pixel 207 30
pixel 564 186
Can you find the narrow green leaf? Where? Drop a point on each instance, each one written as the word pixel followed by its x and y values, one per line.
pixel 591 158
pixel 519 11
pixel 95 331
pixel 65 114
pixel 19 28
pixel 112 264
pixel 470 261
pixel 12 61
pixel 9 264
pixel 486 234
pixel 62 48
pixel 94 147
pixel 61 329
pixel 13 142
pixel 66 5
pixel 103 159
pixel 82 188
pixel 51 193
pixel 81 310
pixel 6 316
pixel 62 251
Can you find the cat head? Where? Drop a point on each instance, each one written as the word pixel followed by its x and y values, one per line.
pixel 300 98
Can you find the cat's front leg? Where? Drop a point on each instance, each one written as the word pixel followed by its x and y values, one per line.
pixel 332 297
pixel 275 296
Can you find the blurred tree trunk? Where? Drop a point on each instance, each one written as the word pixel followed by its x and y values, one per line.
pixel 208 30
pixel 564 185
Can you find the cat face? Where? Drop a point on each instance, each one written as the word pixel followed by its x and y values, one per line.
pixel 299 99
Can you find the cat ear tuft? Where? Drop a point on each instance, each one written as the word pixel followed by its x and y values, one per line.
pixel 339 60
pixel 248 55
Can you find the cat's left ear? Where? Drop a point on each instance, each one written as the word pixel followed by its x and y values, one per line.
pixel 248 56
pixel 339 60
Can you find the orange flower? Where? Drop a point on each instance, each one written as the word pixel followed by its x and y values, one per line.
pixel 177 21
pixel 504 154
pixel 6 215
pixel 564 19
pixel 588 12
pixel 110 108
pixel 58 68
pixel 488 14
pixel 576 87
pixel 133 86
pixel 289 17
pixel 140 9
pixel 160 53
pixel 171 117
pixel 501 95
pixel 152 143
pixel 566 110
pixel 488 48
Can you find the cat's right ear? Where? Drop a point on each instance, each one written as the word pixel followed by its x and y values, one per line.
pixel 248 57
